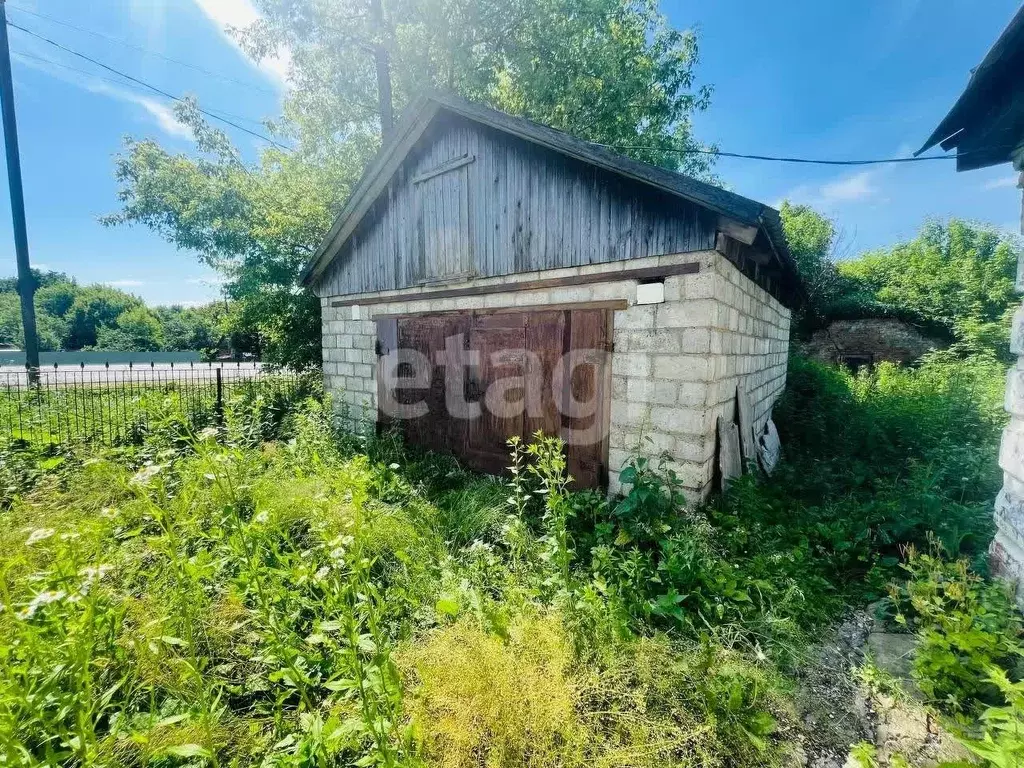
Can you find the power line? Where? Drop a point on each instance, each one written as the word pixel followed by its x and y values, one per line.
pixel 776 158
pixel 144 84
pixel 144 50
pixel 120 83
pixel 615 147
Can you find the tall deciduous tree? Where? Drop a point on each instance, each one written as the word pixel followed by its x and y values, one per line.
pixel 609 71
pixel 813 240
pixel 958 274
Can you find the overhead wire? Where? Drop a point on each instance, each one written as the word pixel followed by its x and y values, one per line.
pixel 774 158
pixel 146 85
pixel 224 118
pixel 143 49
pixel 120 83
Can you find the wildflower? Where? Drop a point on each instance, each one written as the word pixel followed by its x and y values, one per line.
pixel 43 598
pixel 393 466
pixel 93 573
pixel 144 475
pixel 210 433
pixel 108 513
pixel 39 534
pixel 261 517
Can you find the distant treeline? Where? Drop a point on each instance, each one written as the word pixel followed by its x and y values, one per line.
pixel 70 316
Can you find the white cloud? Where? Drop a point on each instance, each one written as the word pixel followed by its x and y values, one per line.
pixel 238 14
pixel 1003 183
pixel 125 283
pixel 160 113
pixel 854 188
pixel 206 281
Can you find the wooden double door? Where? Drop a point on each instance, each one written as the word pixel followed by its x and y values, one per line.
pixel 465 382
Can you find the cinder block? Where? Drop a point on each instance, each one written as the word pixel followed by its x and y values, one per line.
pixel 1017 332
pixel 646 390
pixel 636 318
pixel 629 414
pixel 631 364
pixel 682 367
pixel 658 340
pixel 691 394
pixel 687 314
pixel 688 421
pixel 703 285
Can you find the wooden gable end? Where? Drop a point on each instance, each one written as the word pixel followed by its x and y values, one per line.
pixel 470 201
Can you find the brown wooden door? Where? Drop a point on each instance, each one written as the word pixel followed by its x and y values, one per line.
pixel 519 373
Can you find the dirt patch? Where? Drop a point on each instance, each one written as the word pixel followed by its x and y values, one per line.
pixel 839 710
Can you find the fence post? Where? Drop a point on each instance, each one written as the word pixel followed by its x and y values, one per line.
pixel 219 405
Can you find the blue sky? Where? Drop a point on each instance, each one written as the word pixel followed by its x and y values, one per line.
pixel 811 78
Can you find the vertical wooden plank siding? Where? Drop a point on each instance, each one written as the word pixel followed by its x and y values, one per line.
pixel 515 208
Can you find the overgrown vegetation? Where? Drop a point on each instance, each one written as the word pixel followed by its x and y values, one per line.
pixel 274 593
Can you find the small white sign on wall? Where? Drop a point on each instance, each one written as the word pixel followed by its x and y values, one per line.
pixel 356 315
pixel 650 293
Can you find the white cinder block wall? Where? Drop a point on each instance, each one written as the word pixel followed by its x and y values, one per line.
pixel 1007 550
pixel 675 365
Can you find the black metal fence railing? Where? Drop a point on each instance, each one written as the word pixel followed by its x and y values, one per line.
pixel 119 404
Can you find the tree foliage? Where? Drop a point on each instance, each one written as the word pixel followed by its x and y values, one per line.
pixel 957 274
pixel 610 71
pixel 70 316
pixel 812 240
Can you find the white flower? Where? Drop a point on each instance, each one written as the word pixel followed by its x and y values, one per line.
pixel 109 513
pixel 43 598
pixel 144 475
pixel 393 466
pixel 210 433
pixel 39 534
pixel 93 573
pixel 261 517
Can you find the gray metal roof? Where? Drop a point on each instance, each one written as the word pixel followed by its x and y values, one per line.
pixel 419 114
pixel 986 124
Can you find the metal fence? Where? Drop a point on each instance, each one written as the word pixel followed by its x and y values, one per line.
pixel 119 404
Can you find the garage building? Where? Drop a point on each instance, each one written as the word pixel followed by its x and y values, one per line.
pixel 491 277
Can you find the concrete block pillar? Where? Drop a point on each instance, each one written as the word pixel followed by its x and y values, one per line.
pixel 1007 550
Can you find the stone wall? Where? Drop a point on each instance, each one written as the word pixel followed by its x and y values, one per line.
pixel 675 365
pixel 1007 551
pixel 876 338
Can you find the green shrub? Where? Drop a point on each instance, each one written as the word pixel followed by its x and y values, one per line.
pixel 965 626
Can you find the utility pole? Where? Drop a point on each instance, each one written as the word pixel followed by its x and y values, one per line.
pixel 26 283
pixel 382 61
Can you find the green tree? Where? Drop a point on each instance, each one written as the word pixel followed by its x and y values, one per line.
pixel 812 240
pixel 95 307
pixel 135 330
pixel 958 274
pixel 610 71
pixel 191 328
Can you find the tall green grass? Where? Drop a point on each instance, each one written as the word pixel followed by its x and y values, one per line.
pixel 271 592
